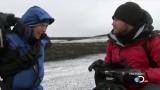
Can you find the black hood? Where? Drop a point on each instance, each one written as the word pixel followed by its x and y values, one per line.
pixel 142 32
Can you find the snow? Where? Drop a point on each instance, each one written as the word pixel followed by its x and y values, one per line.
pixel 94 39
pixel 70 74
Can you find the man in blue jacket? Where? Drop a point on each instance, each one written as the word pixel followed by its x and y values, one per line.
pixel 26 44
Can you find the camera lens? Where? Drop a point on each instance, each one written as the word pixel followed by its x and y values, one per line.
pixel 139 79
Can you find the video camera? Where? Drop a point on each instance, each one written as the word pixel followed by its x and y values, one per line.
pixel 135 77
pixel 115 74
pixel 6 21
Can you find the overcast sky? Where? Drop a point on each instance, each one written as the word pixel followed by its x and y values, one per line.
pixel 77 18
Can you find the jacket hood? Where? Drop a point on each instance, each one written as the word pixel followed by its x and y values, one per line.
pixel 143 31
pixel 36 15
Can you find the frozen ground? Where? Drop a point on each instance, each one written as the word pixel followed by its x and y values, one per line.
pixel 70 74
pixel 89 40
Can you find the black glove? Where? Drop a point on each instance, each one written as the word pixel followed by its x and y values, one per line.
pixel 97 65
pixel 100 65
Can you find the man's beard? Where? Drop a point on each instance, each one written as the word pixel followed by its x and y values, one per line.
pixel 126 36
pixel 121 34
pixel 124 33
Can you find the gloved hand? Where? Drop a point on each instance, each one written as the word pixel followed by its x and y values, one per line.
pixel 97 64
pixel 100 66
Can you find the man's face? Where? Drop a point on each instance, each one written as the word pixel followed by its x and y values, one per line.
pixel 39 29
pixel 120 27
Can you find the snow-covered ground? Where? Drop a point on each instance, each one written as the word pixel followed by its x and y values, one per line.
pixel 93 39
pixel 70 74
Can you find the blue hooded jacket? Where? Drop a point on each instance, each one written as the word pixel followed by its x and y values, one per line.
pixel 32 76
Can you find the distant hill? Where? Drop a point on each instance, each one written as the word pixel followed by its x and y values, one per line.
pixel 76 38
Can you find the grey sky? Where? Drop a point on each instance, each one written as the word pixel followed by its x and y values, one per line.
pixel 79 17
